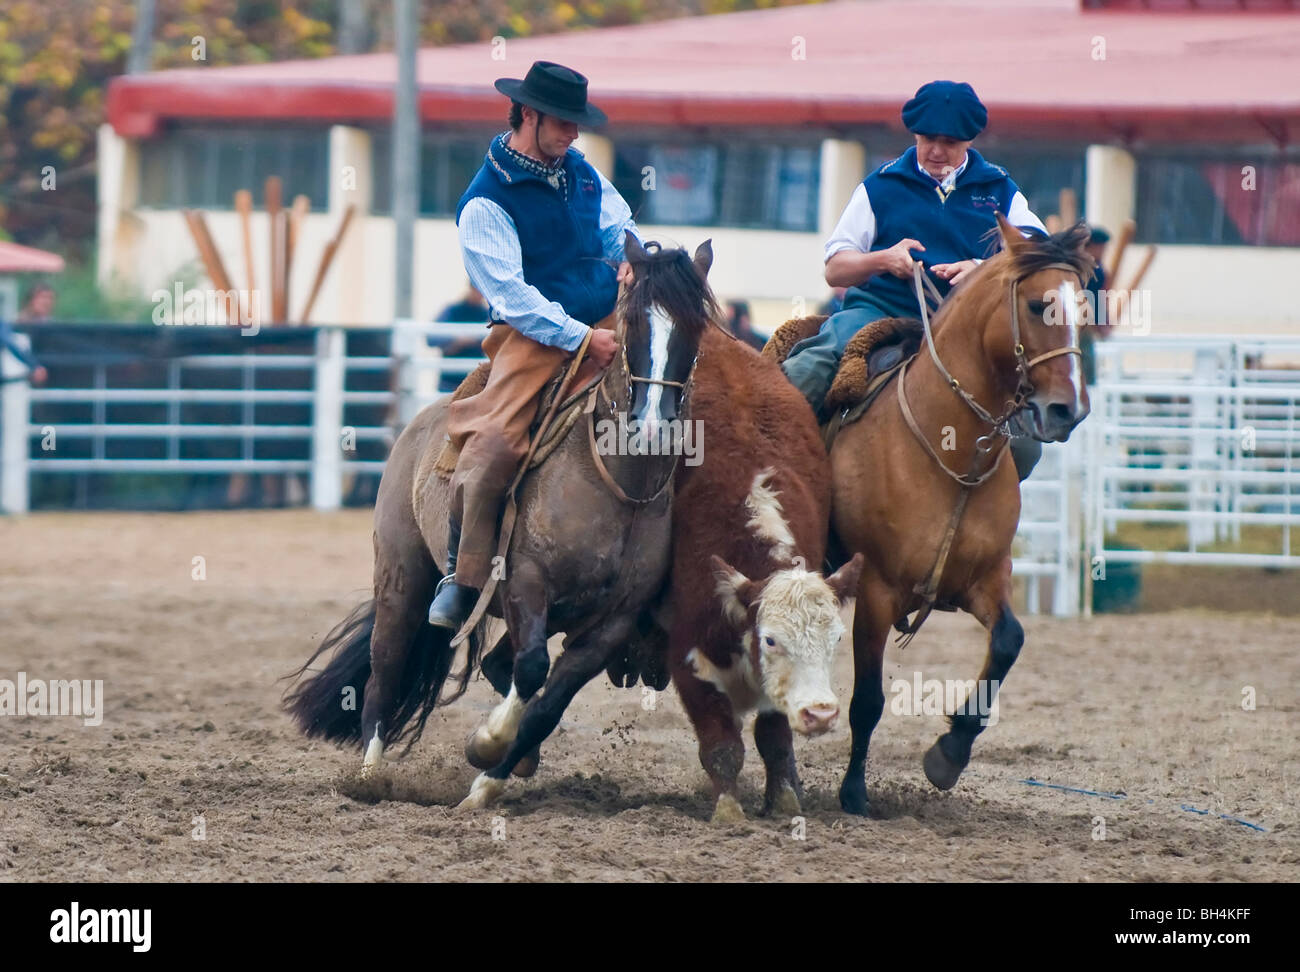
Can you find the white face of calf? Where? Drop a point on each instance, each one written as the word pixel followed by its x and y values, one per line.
pixel 791 625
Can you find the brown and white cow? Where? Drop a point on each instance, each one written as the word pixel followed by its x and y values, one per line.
pixel 754 626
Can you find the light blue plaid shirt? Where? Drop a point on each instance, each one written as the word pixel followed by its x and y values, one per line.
pixel 489 245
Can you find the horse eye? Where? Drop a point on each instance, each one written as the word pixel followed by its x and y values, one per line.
pixel 769 641
pixel 1037 307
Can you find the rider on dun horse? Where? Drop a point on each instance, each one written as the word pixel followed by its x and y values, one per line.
pixel 939 199
pixel 540 231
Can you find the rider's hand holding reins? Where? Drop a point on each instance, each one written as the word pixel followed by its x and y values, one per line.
pixel 898 258
pixel 602 346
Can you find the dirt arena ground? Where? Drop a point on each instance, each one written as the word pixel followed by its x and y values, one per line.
pixel 1146 705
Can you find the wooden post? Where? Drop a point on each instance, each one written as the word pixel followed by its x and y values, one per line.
pixel 244 206
pixel 273 194
pixel 326 259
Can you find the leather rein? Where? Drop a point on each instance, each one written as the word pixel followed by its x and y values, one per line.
pixel 994 443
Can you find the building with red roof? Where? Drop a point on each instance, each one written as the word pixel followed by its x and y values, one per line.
pixel 754 128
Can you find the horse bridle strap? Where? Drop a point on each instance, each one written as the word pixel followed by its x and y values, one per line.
pixel 1025 387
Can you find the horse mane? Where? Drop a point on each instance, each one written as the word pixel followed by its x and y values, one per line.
pixel 670 280
pixel 1039 252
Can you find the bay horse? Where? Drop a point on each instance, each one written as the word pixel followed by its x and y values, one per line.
pixel 920 485
pixel 589 550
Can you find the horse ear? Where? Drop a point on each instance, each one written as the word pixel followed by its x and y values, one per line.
pixel 633 250
pixel 735 590
pixel 844 582
pixel 704 258
pixel 1012 238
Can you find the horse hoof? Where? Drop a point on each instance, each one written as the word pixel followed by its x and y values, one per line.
pixel 485 792
pixel 854 800
pixel 784 804
pixel 939 769
pixel 482 751
pixel 727 811
pixel 527 766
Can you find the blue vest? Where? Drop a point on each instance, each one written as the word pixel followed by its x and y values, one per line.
pixel 907 204
pixel 560 240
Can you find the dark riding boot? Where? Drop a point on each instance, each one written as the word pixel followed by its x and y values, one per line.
pixel 452 602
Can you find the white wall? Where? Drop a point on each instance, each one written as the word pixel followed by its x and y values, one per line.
pixel 1219 290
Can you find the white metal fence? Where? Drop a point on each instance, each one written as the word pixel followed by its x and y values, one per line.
pixel 316 442
pixel 1199 438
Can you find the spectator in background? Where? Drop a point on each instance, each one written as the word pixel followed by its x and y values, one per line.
pixel 742 325
pixel 36 370
pixel 38 305
pixel 1096 287
pixel 470 309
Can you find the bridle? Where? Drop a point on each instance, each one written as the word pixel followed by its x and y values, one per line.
pixel 684 386
pixel 1000 432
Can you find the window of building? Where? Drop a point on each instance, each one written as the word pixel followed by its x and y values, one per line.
pixel 743 184
pixel 203 168
pixel 1247 200
pixel 448 162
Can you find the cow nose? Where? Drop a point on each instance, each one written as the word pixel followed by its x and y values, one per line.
pixel 816 719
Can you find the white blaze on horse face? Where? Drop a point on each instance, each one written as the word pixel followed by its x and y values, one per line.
pixel 661 329
pixel 799 626
pixel 1069 303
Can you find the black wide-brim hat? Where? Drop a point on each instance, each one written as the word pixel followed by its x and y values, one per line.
pixel 554 90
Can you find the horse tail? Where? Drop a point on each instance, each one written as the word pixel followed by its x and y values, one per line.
pixel 316 702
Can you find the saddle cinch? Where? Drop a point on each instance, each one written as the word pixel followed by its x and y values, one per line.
pixel 871 359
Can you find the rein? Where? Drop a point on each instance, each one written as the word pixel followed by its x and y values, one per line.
pixel 995 443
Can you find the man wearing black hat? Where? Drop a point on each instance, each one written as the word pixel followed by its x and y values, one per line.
pixel 936 202
pixel 541 232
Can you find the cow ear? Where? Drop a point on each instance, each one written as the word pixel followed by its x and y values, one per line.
pixel 735 590
pixel 844 582
pixel 704 258
pixel 1012 238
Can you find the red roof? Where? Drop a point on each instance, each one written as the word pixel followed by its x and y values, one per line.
pixel 15 258
pixel 1207 76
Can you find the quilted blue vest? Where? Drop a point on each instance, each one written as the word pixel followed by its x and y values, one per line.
pixel 907 204
pixel 560 240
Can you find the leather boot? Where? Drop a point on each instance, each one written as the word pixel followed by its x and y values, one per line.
pixel 452 602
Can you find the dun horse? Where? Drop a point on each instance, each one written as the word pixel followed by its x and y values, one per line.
pixel 589 550
pixel 936 524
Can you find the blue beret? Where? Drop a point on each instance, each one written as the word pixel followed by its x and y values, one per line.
pixel 946 108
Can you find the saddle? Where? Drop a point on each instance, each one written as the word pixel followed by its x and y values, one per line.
pixel 566 415
pixel 870 360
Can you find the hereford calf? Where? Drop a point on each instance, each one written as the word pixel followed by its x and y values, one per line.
pixel 762 643
pixel 753 625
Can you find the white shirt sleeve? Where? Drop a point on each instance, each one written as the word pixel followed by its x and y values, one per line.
pixel 856 229
pixel 1018 214
pixel 615 217
pixel 489 245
